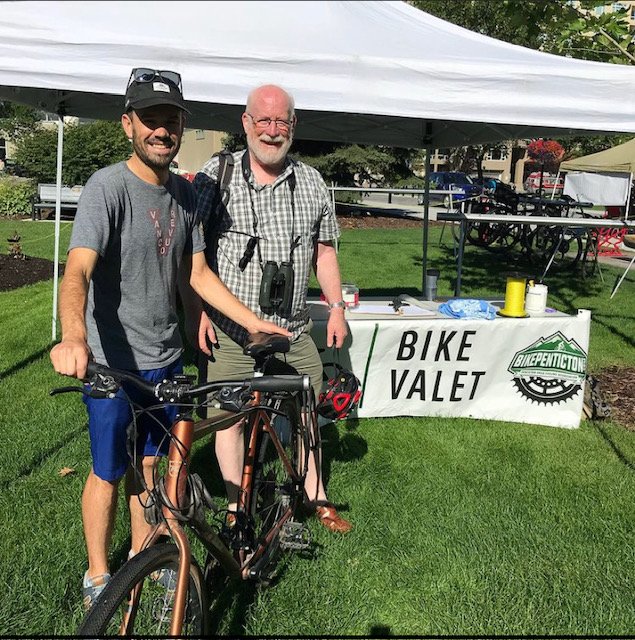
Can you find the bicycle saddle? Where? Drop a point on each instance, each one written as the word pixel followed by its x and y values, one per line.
pixel 261 345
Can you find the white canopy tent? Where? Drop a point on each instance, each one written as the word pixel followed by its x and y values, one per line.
pixel 378 72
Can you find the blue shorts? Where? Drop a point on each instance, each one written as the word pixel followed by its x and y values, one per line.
pixel 108 421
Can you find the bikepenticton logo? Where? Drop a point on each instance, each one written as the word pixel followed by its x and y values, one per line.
pixel 551 370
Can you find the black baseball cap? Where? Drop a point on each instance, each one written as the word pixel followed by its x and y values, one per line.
pixel 149 88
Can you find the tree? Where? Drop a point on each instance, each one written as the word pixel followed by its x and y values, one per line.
pixel 87 147
pixel 17 120
pixel 547 154
pixel 562 27
pixel 559 26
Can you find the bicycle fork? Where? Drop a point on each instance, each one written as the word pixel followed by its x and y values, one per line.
pixel 175 488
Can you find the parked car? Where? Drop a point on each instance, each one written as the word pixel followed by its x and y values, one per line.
pixel 489 184
pixel 459 183
pixel 549 183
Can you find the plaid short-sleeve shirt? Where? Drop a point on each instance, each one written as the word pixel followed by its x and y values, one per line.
pixel 296 207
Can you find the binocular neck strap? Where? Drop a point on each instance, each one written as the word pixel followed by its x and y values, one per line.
pixel 245 164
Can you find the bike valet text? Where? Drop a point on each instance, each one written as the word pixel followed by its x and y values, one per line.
pixel 435 385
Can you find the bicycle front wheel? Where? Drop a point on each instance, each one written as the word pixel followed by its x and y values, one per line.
pixel 153 573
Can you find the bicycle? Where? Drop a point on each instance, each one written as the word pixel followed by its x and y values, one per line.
pixel 494 236
pixel 162 590
pixel 560 246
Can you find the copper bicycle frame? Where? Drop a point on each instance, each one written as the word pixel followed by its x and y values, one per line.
pixel 183 434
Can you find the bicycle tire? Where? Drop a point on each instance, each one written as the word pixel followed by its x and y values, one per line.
pixel 543 242
pixel 274 491
pixel 589 260
pixel 153 611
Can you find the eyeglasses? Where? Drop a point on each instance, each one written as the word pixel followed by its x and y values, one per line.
pixel 148 75
pixel 263 123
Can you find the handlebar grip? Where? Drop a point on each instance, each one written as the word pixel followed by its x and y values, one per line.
pixel 279 383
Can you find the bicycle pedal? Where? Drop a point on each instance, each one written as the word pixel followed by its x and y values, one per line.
pixel 295 536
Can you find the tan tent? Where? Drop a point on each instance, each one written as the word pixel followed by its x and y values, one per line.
pixel 620 159
pixel 603 178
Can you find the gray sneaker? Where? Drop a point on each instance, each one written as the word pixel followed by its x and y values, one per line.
pixel 92 587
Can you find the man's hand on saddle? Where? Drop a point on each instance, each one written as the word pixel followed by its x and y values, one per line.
pixel 264 326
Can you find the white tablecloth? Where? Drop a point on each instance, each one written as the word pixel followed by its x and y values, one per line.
pixel 513 369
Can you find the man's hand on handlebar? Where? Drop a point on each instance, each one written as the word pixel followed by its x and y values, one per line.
pixel 70 358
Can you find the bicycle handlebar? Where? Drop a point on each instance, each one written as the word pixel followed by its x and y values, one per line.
pixel 180 388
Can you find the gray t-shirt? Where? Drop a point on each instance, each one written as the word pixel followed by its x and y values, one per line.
pixel 141 232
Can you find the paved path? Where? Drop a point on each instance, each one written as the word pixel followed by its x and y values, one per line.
pixel 401 206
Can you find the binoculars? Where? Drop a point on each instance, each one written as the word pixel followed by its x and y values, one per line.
pixel 276 288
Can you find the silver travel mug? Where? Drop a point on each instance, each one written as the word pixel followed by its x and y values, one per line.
pixel 432 276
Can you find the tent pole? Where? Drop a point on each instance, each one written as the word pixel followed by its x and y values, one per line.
pixel 58 215
pixel 336 243
pixel 426 209
pixel 628 197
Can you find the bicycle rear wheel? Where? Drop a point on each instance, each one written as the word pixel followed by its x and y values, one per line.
pixel 545 244
pixel 154 572
pixel 276 493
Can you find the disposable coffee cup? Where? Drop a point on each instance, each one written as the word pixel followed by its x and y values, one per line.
pixel 536 299
pixel 432 277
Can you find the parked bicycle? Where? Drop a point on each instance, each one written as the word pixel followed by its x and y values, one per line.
pixel 164 590
pixel 544 247
pixel 560 246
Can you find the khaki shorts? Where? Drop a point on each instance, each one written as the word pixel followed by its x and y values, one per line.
pixel 228 362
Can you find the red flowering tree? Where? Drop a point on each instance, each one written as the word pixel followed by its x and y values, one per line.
pixel 546 153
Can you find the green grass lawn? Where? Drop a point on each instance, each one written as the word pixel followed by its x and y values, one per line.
pixel 462 527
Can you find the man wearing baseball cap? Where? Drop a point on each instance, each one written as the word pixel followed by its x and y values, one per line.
pixel 134 240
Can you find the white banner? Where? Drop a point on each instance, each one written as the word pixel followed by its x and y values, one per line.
pixel 511 369
pixel 597 188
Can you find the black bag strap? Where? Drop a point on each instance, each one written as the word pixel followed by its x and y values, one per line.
pixel 221 197
pixel 225 171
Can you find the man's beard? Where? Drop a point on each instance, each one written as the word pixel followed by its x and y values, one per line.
pixel 272 156
pixel 153 161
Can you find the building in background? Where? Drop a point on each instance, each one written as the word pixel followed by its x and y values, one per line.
pixel 197 146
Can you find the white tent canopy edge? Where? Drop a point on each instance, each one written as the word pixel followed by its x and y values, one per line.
pixel 379 72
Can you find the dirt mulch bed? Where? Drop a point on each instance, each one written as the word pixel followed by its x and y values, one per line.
pixel 617 384
pixel 363 221
pixel 17 272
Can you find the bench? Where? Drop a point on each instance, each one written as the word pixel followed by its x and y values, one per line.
pixel 47 197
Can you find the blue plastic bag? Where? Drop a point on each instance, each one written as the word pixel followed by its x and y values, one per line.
pixel 467 309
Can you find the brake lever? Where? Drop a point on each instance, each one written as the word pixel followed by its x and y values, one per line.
pixel 234 399
pixel 55 392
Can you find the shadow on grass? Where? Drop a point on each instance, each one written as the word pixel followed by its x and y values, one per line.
pixel 617 321
pixel 42 456
pixel 26 361
pixel 621 456
pixel 345 448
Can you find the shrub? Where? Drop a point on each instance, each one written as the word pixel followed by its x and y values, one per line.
pixel 87 147
pixel 16 196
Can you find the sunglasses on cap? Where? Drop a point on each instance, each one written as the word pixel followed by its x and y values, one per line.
pixel 143 75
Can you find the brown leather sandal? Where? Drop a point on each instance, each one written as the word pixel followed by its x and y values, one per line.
pixel 327 515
